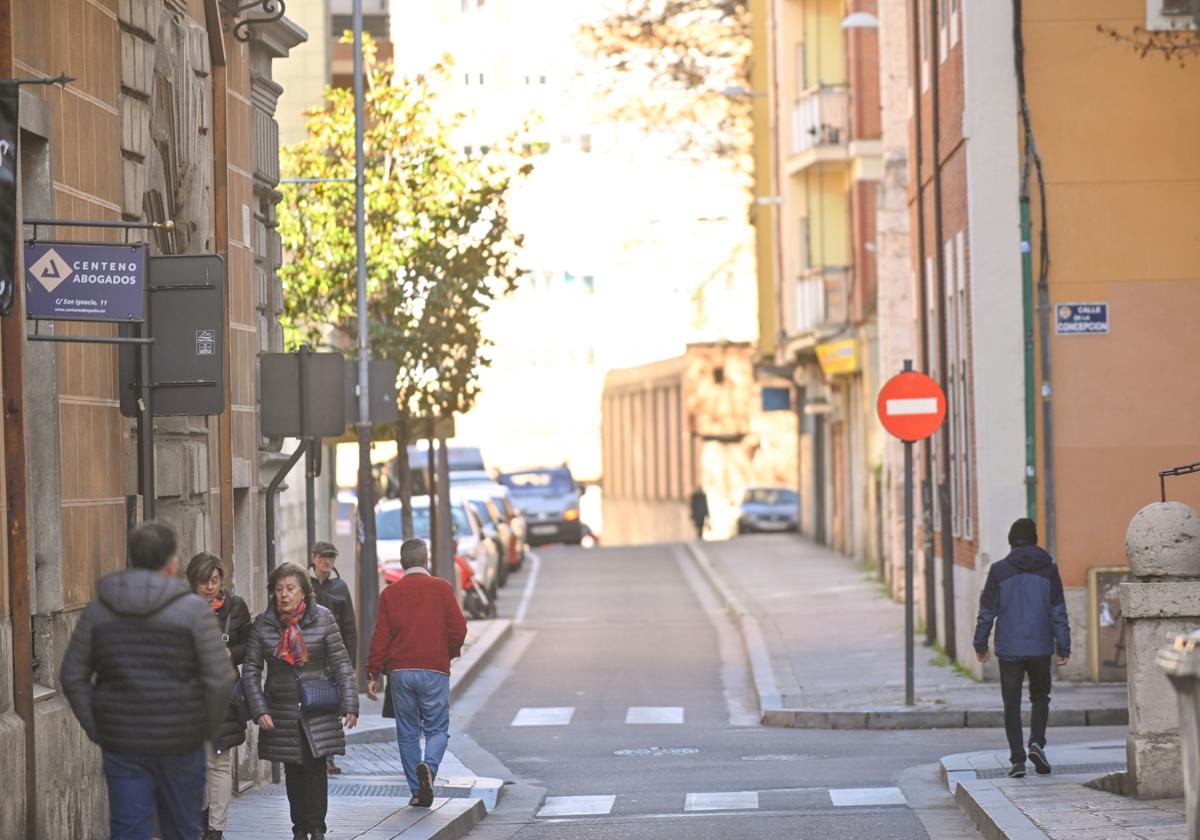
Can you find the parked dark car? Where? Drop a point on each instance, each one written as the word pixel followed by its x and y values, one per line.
pixel 769 509
pixel 548 498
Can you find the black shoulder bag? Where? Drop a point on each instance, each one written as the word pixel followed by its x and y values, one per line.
pixel 317 694
pixel 240 707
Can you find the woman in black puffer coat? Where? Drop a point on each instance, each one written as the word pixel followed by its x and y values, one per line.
pixel 206 577
pixel 297 636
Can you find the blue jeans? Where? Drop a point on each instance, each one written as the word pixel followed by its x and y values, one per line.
pixel 421 700
pixel 141 785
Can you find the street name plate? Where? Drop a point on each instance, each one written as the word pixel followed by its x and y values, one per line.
pixel 1081 319
pixel 71 281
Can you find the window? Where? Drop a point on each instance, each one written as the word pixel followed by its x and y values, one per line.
pixel 1162 15
pixel 718 376
pixel 953 23
pixel 943 29
pixel 480 78
pixel 466 78
pixel 931 344
pixel 952 408
pixel 541 80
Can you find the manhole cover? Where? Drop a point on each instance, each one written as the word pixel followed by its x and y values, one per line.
pixel 775 757
pixel 656 752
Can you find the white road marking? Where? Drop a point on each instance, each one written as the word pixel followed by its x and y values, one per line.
pixel 535 563
pixel 858 797
pixel 654 714
pixel 736 801
pixel 546 716
pixel 920 405
pixel 577 806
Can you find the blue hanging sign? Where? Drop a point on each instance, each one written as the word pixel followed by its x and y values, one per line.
pixel 73 281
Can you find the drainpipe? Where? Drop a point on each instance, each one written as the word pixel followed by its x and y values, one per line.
pixel 922 308
pixel 220 133
pixel 943 490
pixel 1033 159
pixel 1030 386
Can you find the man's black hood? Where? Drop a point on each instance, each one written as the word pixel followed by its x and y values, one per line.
pixel 1029 558
pixel 140 592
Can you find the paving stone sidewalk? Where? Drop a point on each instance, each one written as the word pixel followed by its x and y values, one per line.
pixel 1058 806
pixel 834 644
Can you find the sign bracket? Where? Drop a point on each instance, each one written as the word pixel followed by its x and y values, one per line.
pixel 166 226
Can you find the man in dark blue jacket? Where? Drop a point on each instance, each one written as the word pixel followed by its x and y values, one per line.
pixel 1023 596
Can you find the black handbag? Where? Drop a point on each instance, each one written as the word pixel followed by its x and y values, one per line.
pixel 317 694
pixel 240 707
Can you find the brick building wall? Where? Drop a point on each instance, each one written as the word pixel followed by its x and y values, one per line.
pixel 132 138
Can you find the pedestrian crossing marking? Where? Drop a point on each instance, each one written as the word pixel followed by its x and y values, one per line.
pixel 746 800
pixel 858 797
pixel 654 714
pixel 545 716
pixel 577 806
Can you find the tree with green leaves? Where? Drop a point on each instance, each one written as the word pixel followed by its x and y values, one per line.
pixel 439 245
pixel 669 67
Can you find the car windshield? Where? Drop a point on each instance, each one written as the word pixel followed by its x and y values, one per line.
pixel 388 523
pixel 769 496
pixel 545 482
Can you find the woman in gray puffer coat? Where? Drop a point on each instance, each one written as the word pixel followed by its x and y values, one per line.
pixel 296 636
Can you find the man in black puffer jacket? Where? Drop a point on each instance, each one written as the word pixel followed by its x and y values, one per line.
pixel 149 678
pixel 332 593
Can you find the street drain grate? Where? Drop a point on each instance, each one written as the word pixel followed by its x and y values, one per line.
pixel 658 752
pixel 1063 770
pixel 391 791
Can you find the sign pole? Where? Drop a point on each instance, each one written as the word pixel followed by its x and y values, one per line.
pixel 909 601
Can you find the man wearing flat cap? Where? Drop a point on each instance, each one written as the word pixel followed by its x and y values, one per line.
pixel 332 593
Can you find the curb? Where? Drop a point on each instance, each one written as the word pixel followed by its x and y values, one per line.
pixel 770 703
pixel 469 667
pixel 994 816
pixel 773 712
pixel 451 819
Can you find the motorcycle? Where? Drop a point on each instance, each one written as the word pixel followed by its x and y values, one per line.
pixel 476 602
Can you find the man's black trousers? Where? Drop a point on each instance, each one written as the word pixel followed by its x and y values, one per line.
pixel 1012 677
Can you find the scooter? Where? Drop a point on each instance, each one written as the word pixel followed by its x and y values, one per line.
pixel 476 602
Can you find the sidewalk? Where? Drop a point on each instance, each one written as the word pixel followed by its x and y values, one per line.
pixel 826 647
pixel 369 799
pixel 1059 806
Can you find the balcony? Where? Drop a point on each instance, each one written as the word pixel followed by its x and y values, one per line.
pixel 820 127
pixel 820 301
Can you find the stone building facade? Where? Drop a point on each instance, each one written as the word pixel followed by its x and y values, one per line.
pixel 169 117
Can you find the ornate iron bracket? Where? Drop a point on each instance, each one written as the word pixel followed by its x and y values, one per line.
pixel 272 10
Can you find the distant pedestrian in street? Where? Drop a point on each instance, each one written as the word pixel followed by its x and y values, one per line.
pixel 1024 597
pixel 699 511
pixel 298 639
pixel 148 678
pixel 419 630
pixel 332 593
pixel 206 577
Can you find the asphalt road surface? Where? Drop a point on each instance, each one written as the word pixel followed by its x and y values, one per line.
pixel 621 708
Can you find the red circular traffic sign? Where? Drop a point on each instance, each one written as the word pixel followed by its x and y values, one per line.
pixel 911 406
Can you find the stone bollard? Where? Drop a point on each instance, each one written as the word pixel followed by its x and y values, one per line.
pixel 1181 663
pixel 1162 545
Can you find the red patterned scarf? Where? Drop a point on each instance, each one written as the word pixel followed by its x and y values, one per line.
pixel 218 602
pixel 291 647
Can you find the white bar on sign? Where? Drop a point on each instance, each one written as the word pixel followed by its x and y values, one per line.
pixel 924 405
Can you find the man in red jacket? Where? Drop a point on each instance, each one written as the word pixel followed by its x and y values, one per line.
pixel 420 628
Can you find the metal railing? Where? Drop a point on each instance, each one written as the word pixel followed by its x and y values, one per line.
pixel 821 118
pixel 820 298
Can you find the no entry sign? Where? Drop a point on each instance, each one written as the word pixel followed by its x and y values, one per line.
pixel 911 406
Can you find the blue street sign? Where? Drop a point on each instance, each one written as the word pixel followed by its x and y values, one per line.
pixel 1081 319
pixel 71 281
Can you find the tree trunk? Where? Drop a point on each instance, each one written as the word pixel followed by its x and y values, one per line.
pixel 404 476
pixel 431 483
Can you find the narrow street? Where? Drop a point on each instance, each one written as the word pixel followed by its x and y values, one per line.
pixel 620 709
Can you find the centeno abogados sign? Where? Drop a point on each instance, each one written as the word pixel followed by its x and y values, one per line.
pixel 73 281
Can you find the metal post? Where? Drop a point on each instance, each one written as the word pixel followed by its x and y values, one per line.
pixel 909 629
pixel 146 428
pixel 368 565
pixel 308 445
pixel 445 532
pixel 432 486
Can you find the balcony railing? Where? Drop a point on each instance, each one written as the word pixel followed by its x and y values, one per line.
pixel 822 118
pixel 820 298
